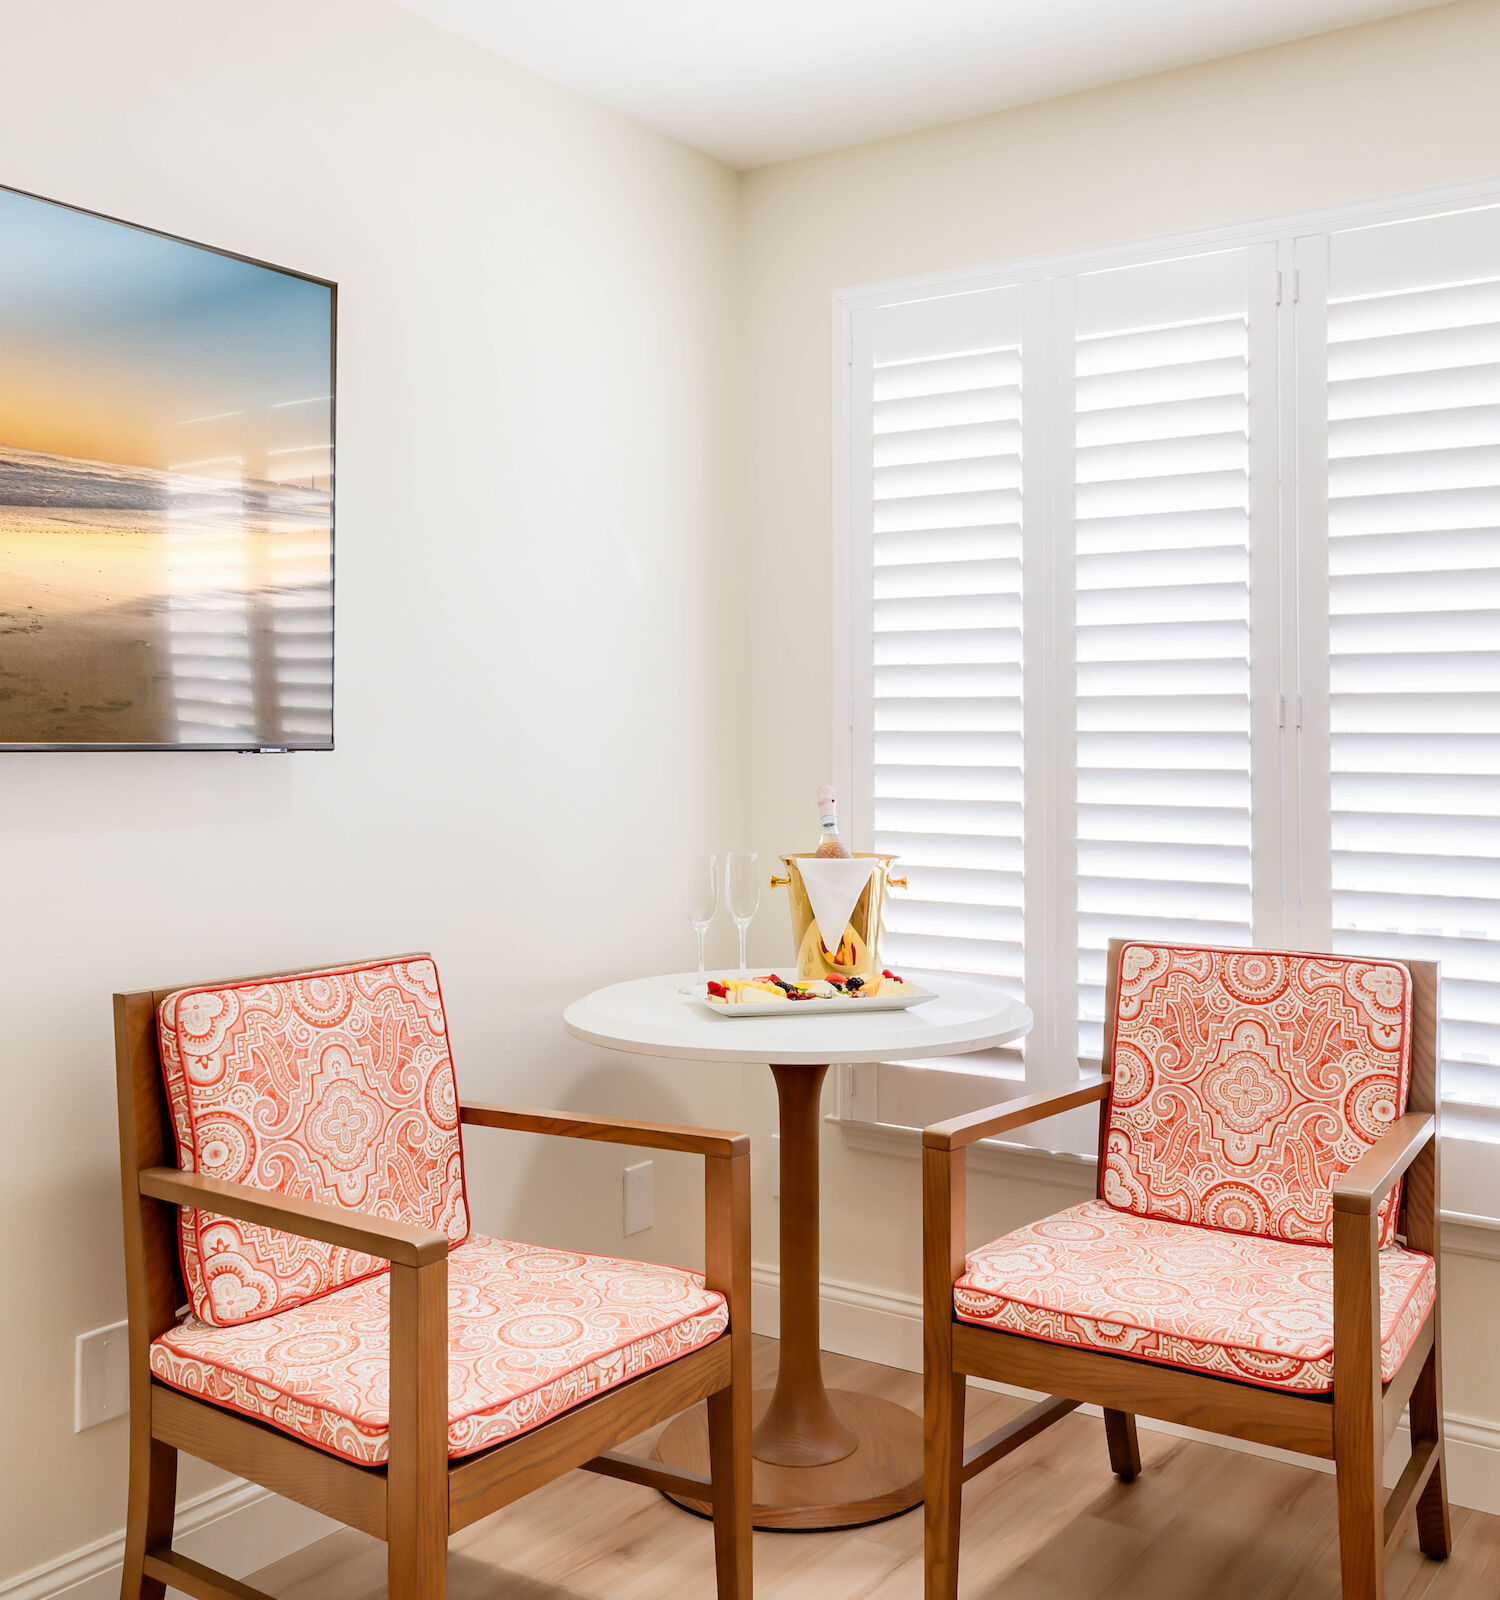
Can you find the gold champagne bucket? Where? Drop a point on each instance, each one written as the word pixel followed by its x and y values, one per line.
pixel 859 948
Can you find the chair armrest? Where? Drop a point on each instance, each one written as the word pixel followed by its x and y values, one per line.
pixel 398 1242
pixel 960 1131
pixel 611 1130
pixel 1363 1187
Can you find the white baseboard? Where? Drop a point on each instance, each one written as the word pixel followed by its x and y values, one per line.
pixel 876 1326
pixel 236 1528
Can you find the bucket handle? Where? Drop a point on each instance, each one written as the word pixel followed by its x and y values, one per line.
pixel 890 883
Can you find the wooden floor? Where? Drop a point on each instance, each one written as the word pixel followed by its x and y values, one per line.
pixel 1048 1523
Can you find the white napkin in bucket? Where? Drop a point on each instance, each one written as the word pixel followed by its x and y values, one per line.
pixel 833 890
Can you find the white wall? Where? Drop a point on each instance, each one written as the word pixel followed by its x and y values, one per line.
pixel 534 496
pixel 1371 110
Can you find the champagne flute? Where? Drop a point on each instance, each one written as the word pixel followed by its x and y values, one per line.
pixel 702 895
pixel 742 893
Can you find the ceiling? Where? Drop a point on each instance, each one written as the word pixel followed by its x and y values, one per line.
pixel 756 81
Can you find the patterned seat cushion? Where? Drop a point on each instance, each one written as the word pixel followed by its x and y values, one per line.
pixel 531 1332
pixel 334 1086
pixel 1247 1081
pixel 1234 1305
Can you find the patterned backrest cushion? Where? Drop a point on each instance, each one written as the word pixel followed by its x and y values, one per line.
pixel 1247 1081
pixel 334 1086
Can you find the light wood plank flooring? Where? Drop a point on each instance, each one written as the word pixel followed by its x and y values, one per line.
pixel 1048 1523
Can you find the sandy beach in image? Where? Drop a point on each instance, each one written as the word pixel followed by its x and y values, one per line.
pixel 190 610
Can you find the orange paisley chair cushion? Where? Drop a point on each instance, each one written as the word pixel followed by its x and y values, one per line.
pixel 1233 1305
pixel 334 1086
pixel 531 1332
pixel 1247 1081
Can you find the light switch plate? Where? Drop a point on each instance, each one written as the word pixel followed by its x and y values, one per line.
pixel 101 1383
pixel 640 1205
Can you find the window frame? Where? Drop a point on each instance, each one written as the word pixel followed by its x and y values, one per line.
pixel 1285 569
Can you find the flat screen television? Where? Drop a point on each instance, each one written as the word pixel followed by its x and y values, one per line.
pixel 166 491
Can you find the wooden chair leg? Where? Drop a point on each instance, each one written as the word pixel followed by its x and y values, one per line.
pixel 148 1520
pixel 1358 1425
pixel 726 1237
pixel 730 1467
pixel 1361 1525
pixel 416 1563
pixel 1124 1448
pixel 943 1414
pixel 417 1476
pixel 943 1389
pixel 1434 1534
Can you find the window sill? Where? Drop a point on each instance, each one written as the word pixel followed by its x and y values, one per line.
pixel 1465 1232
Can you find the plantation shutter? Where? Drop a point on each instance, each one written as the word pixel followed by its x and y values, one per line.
pixel 944 649
pixel 1413 612
pixel 936 655
pixel 1175 614
pixel 1161 453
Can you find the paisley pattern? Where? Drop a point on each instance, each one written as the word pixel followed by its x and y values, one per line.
pixel 1259 1310
pixel 1248 1081
pixel 334 1086
pixel 531 1332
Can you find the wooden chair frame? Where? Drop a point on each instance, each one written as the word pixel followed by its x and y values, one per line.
pixel 1351 1427
pixel 420 1497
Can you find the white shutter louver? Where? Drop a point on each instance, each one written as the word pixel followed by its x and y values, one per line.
pixel 1162 416
pixel 945 650
pixel 1414 613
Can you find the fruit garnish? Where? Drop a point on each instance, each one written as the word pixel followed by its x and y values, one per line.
pixel 716 988
pixel 856 982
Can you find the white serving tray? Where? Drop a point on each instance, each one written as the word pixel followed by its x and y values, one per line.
pixel 914 996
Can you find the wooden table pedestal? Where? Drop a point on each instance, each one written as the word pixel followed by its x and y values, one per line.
pixel 822 1459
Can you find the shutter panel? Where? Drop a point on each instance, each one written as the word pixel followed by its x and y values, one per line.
pixel 1162 471
pixel 1414 613
pixel 1126 741
pixel 945 642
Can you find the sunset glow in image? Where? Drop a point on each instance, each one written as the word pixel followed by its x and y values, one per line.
pixel 166 489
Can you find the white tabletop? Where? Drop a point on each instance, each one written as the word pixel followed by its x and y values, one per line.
pixel 650 1017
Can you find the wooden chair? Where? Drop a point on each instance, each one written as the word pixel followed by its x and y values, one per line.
pixel 418 1496
pixel 1023 1343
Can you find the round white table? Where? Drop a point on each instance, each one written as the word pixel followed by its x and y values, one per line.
pixel 821 1460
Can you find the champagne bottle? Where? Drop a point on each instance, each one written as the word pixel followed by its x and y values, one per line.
pixel 829 842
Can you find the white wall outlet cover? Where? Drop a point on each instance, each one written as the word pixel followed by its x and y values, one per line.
pixel 640 1207
pixel 101 1385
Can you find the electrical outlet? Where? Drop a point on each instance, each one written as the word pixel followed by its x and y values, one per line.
pixel 775 1166
pixel 101 1384
pixel 640 1205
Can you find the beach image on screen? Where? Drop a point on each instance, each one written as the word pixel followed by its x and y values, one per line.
pixel 166 490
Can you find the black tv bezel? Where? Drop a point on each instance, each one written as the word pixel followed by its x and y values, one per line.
pixel 95 747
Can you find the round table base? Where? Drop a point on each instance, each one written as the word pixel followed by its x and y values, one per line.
pixel 882 1478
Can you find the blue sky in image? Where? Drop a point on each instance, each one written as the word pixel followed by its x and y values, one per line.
pixel 119 345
